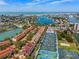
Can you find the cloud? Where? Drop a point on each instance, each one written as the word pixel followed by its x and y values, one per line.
pixel 60 2
pixel 32 3
pixel 2 2
pixel 41 0
pixel 38 2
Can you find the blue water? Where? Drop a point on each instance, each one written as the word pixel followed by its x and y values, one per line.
pixel 42 20
pixel 29 13
pixel 9 34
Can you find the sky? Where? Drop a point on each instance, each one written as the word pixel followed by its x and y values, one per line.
pixel 39 5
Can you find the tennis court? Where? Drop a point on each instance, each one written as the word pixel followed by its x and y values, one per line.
pixel 48 48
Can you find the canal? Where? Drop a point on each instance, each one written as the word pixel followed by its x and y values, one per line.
pixel 9 34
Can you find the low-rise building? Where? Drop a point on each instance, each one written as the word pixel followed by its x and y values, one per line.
pixel 4 43
pixel 6 51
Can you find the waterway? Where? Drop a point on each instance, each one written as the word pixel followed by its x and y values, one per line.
pixel 42 20
pixel 33 13
pixel 9 34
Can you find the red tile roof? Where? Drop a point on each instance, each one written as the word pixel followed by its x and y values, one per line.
pixel 29 29
pixel 7 50
pixel 22 34
pixel 13 57
pixel 4 43
pixel 27 49
pixel 19 36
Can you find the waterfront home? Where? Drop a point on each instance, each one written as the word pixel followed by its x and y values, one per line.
pixel 22 34
pixel 29 29
pixel 4 43
pixel 19 36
